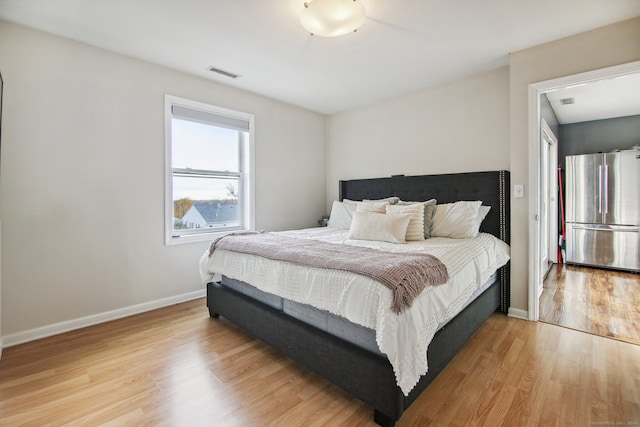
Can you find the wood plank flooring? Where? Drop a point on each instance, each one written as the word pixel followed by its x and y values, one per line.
pixel 593 300
pixel 178 367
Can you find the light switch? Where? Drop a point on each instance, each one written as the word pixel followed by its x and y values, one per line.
pixel 518 190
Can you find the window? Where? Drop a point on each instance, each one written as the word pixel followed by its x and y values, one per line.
pixel 209 183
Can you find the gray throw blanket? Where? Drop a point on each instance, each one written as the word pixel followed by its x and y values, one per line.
pixel 405 274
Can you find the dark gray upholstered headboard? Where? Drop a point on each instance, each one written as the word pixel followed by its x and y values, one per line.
pixel 490 187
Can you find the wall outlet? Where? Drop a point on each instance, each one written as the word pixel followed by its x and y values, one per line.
pixel 518 190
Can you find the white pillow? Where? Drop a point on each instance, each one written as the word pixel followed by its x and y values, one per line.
pixel 482 214
pixel 391 200
pixel 380 227
pixel 429 209
pixel 415 230
pixel 378 207
pixel 341 214
pixel 456 220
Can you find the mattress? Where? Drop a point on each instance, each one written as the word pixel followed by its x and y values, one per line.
pixel 362 301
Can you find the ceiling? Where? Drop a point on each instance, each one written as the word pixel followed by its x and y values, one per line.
pixel 403 46
pixel 602 99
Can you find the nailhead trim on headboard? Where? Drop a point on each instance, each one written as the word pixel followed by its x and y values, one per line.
pixel 505 284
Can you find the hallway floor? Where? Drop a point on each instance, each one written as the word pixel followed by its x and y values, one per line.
pixel 597 301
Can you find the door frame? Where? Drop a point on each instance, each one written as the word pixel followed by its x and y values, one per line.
pixel 535 90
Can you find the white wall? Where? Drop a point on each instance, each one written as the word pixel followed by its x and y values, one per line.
pixel 82 181
pixel 603 47
pixel 462 126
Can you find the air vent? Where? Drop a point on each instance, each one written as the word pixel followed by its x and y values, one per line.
pixel 224 73
pixel 566 101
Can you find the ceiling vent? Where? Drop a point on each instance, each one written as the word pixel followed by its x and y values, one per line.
pixel 224 73
pixel 566 101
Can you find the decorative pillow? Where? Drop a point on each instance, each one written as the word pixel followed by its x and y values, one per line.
pixel 380 227
pixel 482 214
pixel 391 200
pixel 415 230
pixel 456 220
pixel 378 207
pixel 429 208
pixel 341 214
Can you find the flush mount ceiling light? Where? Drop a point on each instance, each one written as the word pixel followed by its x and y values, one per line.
pixel 332 18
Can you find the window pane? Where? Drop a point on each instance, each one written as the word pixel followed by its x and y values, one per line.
pixel 201 146
pixel 205 202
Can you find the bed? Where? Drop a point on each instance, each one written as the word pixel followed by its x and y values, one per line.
pixel 356 366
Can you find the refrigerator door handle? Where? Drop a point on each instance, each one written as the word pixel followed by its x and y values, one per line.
pixel 606 228
pixel 600 189
pixel 606 188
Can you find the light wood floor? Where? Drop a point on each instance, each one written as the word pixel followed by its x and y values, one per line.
pixel 177 367
pixel 593 300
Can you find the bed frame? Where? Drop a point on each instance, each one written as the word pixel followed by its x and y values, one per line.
pixel 366 375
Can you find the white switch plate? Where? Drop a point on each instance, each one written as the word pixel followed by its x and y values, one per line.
pixel 518 190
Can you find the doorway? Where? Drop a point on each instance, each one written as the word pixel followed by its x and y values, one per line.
pixel 540 238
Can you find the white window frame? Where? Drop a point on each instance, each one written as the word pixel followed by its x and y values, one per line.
pixel 247 181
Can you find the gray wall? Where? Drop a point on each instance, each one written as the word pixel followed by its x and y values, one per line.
pixel 598 136
pixel 547 113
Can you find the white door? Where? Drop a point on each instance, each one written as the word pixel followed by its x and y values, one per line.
pixel 548 201
pixel 553 199
pixel 544 210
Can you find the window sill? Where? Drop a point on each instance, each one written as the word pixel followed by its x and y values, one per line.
pixel 200 237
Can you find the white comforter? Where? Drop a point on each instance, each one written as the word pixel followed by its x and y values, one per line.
pixel 403 338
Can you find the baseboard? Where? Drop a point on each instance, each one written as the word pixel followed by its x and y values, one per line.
pixel 83 322
pixel 518 313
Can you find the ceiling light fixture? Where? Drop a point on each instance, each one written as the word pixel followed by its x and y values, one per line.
pixel 332 18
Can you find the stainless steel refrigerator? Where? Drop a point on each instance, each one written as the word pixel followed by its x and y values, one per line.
pixel 603 210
